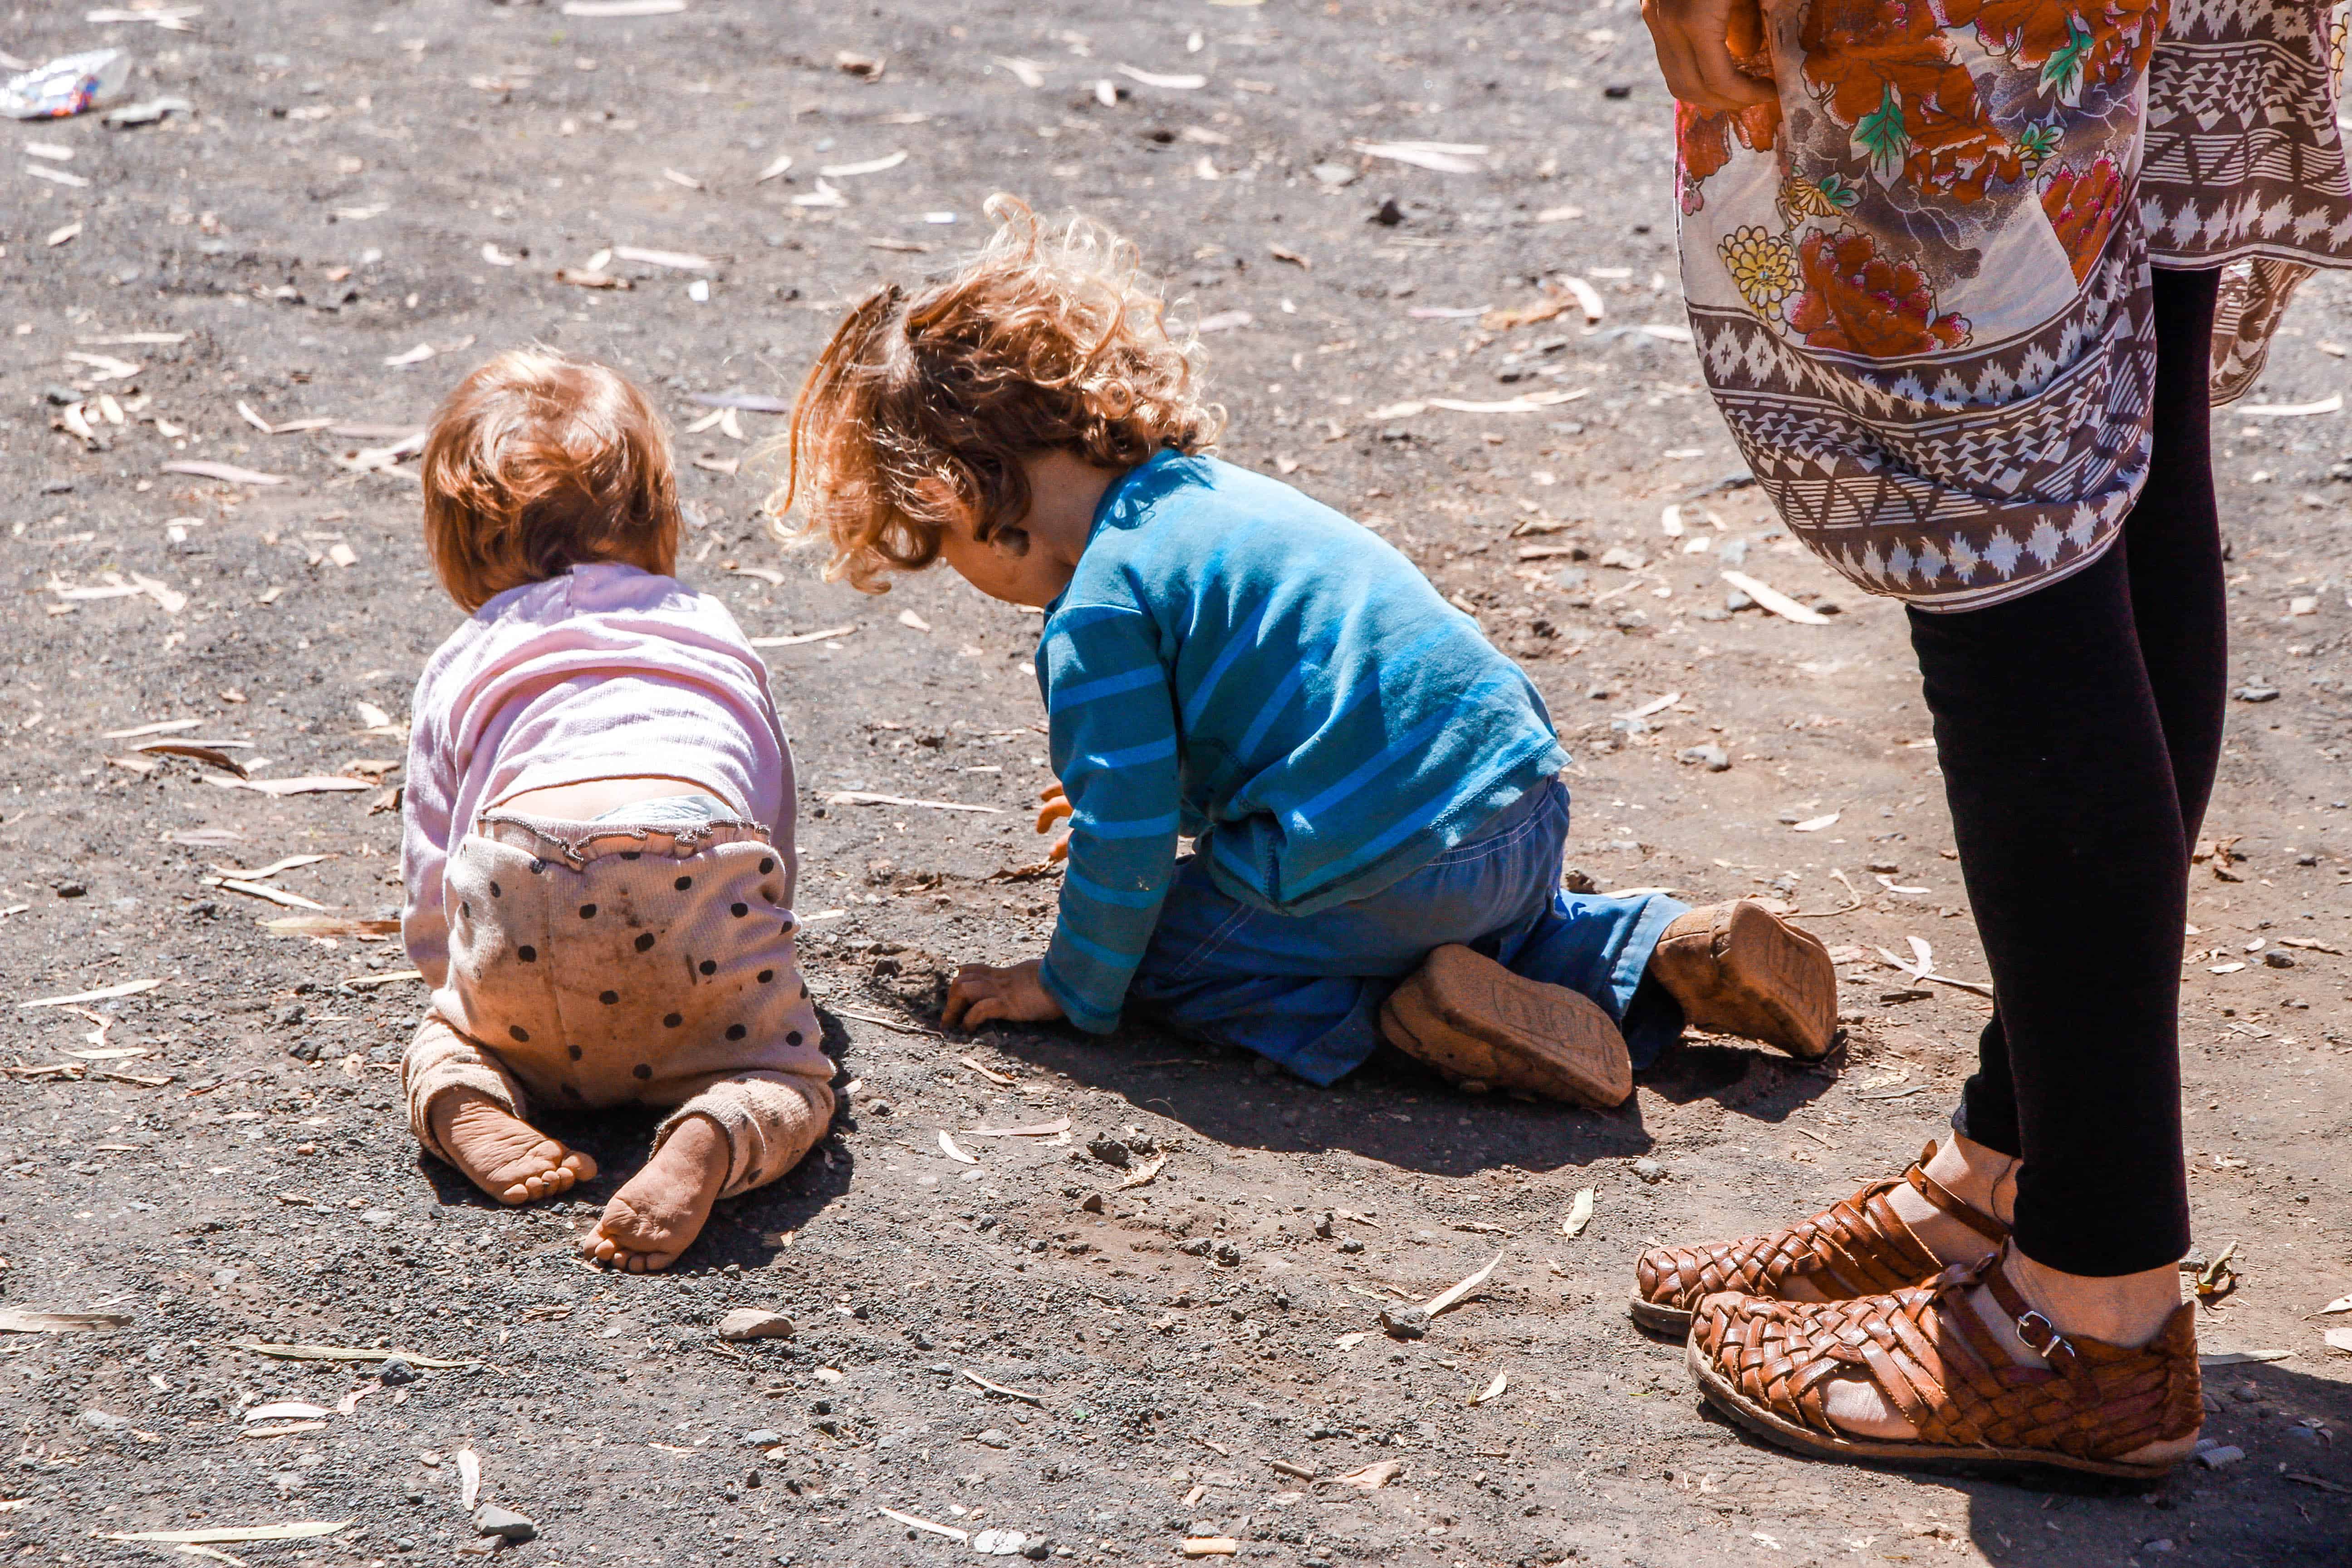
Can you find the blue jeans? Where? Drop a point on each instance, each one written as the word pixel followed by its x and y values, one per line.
pixel 1305 990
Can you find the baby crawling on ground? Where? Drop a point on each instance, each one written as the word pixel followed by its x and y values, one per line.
pixel 597 836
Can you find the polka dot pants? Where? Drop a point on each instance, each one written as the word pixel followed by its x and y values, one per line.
pixel 629 967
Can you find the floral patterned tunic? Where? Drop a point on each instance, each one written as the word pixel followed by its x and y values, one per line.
pixel 1919 283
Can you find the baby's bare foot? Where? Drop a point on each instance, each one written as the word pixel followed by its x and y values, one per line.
pixel 512 1161
pixel 659 1210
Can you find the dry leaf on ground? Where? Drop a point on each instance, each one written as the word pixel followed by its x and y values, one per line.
pixel 1453 1294
pixel 1580 1214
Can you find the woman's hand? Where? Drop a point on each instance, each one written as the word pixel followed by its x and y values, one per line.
pixel 982 994
pixel 1055 809
pixel 1695 41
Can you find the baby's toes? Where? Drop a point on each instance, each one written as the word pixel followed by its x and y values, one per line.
pixel 581 1165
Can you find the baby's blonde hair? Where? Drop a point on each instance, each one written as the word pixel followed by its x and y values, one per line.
pixel 922 405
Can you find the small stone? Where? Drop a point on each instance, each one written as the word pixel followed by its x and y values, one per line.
pixel 2220 1455
pixel 504 1523
pixel 1196 1248
pixel 1228 1254
pixel 1323 1228
pixel 72 891
pixel 1648 1171
pixel 1092 1202
pixel 999 1542
pixel 1038 1549
pixel 1404 1322
pixel 104 1421
pixel 992 1439
pixel 1618 90
pixel 1735 601
pixel 1352 1245
pixel 754 1323
pixel 1882 867
pixel 2256 694
pixel 395 1372
pixel 377 1216
pixel 1110 1152
pixel 1332 176
pixel 2278 959
pixel 1715 759
pixel 1624 560
pixel 1390 215
pixel 1576 879
pixel 762 1438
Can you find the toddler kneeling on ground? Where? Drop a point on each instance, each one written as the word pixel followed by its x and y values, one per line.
pixel 1371 787
pixel 597 829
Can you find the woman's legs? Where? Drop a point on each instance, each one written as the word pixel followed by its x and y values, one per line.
pixel 2140 636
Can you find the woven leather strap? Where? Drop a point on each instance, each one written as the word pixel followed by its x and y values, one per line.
pixel 1953 1379
pixel 1856 1246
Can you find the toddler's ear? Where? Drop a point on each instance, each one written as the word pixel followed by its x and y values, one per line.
pixel 1012 542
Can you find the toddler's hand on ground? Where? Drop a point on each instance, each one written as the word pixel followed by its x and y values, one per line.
pixel 982 994
pixel 1056 808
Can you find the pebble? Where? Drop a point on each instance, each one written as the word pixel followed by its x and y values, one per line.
pixel 1649 1171
pixel 1228 1254
pixel 1110 1152
pixel 992 1439
pixel 754 1323
pixel 1714 758
pixel 105 1421
pixel 2256 694
pixel 395 1372
pixel 762 1438
pixel 1333 174
pixel 2222 1454
pixel 504 1523
pixel 2277 959
pixel 1092 1202
pixel 377 1216
pixel 1404 1322
pixel 999 1542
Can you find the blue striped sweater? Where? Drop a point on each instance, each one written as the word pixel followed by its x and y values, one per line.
pixel 1237 662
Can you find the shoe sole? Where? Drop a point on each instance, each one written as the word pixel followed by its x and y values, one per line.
pixel 1656 1319
pixel 1719 1392
pixel 1471 1018
pixel 1795 966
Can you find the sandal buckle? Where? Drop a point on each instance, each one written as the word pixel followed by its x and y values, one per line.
pixel 2042 1337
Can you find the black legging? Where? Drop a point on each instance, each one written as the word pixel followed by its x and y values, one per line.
pixel 2079 730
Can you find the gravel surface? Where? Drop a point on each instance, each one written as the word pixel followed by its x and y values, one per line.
pixel 368 197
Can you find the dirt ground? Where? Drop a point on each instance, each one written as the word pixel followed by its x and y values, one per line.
pixel 366 197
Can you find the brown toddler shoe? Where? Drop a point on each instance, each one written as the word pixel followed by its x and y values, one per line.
pixel 1739 969
pixel 1472 1019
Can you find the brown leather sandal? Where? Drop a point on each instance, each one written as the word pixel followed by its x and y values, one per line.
pixel 1764 1363
pixel 1857 1246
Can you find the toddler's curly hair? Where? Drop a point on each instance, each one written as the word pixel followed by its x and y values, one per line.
pixel 922 405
